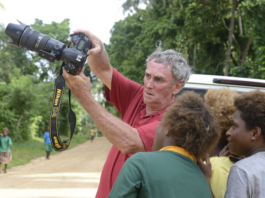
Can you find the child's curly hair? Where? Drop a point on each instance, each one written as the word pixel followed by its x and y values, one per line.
pixel 252 109
pixel 221 103
pixel 4 130
pixel 191 124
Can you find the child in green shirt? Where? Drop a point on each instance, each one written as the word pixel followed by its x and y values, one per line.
pixel 5 150
pixel 186 132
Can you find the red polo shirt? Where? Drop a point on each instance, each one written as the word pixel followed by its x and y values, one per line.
pixel 127 97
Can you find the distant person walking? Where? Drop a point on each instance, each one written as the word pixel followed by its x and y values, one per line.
pixel 92 134
pixel 47 143
pixel 5 149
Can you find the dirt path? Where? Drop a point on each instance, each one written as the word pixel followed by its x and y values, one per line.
pixel 74 173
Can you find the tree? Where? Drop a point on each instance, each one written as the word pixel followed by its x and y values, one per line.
pixel 21 95
pixel 196 28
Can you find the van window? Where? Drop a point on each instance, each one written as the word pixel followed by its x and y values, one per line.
pixel 202 92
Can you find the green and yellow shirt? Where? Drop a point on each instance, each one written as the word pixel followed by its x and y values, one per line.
pixel 171 172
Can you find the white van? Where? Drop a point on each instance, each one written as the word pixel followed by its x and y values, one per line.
pixel 200 83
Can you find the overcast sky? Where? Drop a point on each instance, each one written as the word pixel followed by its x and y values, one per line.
pixel 98 16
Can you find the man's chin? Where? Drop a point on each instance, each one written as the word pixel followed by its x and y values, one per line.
pixel 148 100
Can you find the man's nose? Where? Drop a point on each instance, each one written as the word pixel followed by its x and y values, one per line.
pixel 150 83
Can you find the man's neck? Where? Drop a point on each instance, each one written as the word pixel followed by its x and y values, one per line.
pixel 154 109
pixel 149 112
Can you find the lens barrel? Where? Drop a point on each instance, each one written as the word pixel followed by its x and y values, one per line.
pixel 26 37
pixel 15 32
pixel 48 48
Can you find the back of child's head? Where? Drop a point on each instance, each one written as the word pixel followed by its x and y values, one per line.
pixel 191 124
pixel 252 109
pixel 221 103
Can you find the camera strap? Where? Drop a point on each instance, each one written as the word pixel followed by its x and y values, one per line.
pixel 57 144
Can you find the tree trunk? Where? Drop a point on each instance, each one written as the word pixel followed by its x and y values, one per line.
pixel 240 23
pixel 19 120
pixel 243 59
pixel 148 12
pixel 230 38
pixel 194 56
pixel 136 9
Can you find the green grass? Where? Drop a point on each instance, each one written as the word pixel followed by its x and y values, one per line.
pixel 23 152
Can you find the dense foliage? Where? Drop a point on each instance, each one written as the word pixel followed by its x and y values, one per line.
pixel 199 29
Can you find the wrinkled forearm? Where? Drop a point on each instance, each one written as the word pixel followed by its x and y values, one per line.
pixel 119 133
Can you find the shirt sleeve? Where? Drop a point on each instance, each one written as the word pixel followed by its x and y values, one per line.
pixel 122 91
pixel 130 179
pixel 10 141
pixel 44 136
pixel 237 184
pixel 147 134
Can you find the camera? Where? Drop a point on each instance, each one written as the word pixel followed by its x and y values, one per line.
pixel 23 35
pixel 52 50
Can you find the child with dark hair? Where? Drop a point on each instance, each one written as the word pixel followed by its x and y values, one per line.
pixel 186 132
pixel 5 150
pixel 246 137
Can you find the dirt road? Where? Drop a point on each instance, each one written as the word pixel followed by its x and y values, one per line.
pixel 74 173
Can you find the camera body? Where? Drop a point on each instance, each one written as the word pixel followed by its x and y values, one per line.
pixel 75 57
pixel 50 49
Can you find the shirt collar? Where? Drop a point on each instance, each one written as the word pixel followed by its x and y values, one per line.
pixel 181 151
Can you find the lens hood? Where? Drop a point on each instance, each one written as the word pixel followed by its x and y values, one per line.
pixel 15 31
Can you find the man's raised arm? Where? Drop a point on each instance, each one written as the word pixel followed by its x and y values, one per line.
pixel 98 60
pixel 119 133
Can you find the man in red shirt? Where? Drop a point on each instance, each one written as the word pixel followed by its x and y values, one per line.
pixel 141 107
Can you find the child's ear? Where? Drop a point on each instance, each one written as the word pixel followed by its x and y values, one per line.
pixel 256 133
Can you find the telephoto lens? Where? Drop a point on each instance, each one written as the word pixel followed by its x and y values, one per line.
pixel 52 50
pixel 23 35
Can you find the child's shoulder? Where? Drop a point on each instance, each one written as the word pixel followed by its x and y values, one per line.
pixel 157 156
pixel 145 155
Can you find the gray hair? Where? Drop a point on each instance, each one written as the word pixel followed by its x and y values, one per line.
pixel 181 71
